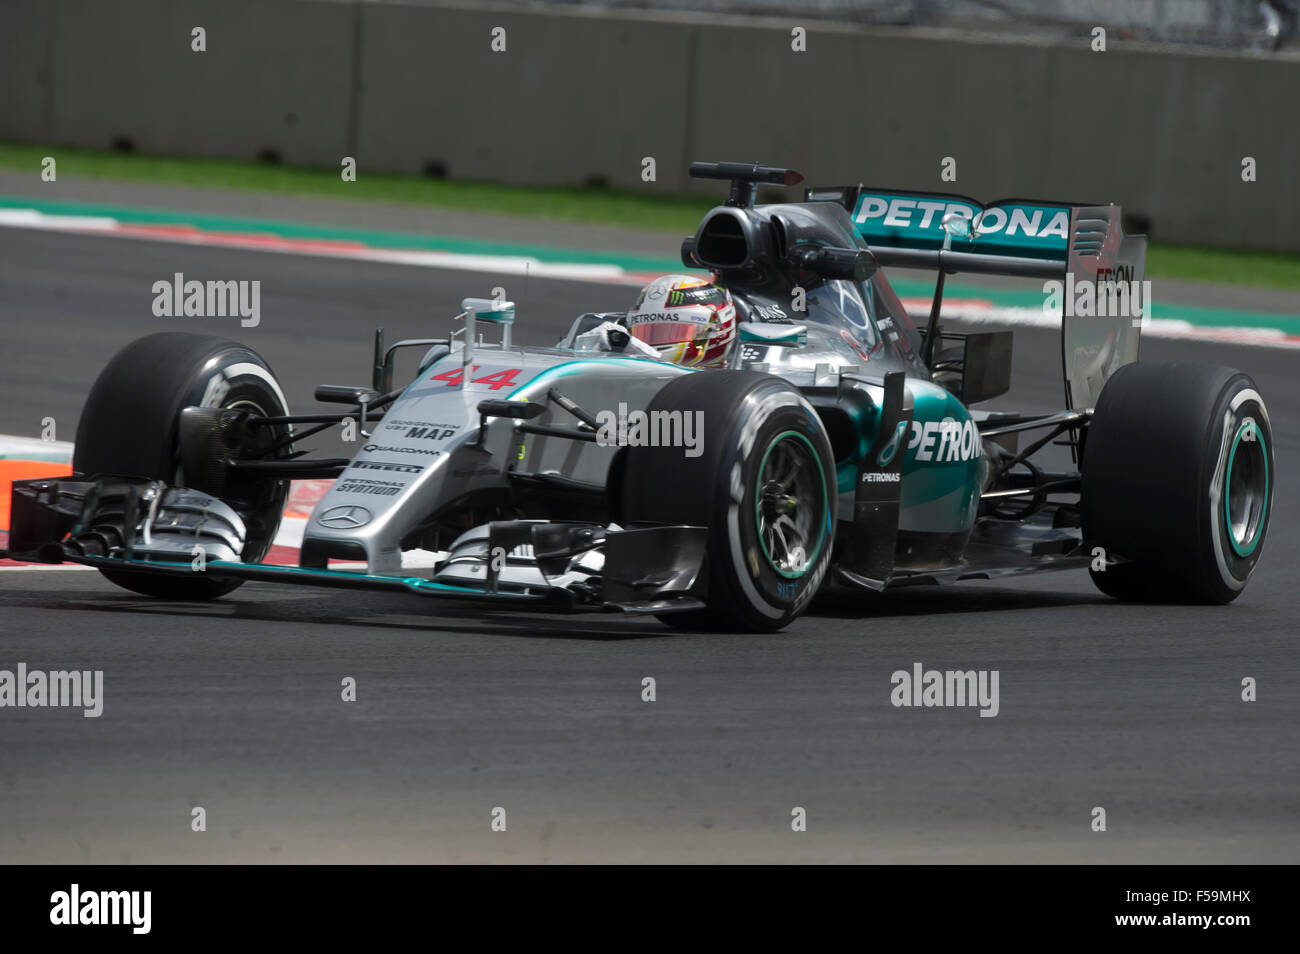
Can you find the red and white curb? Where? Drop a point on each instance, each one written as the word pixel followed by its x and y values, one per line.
pixel 329 248
pixel 34 449
pixel 972 310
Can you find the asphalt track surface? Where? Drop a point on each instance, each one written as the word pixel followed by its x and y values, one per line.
pixel 235 705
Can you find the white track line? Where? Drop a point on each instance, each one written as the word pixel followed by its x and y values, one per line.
pixel 33 219
pixel 33 448
pixel 1015 316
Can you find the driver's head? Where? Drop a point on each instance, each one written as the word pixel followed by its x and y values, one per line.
pixel 689 321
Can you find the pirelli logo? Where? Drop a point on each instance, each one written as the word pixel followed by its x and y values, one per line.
pixel 383 465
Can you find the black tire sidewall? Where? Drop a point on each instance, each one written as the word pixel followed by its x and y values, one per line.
pixel 766 594
pixel 1154 469
pixel 129 427
pixel 745 414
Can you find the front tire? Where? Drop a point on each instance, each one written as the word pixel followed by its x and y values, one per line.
pixel 764 485
pixel 1178 482
pixel 129 427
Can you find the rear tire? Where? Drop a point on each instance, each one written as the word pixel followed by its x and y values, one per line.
pixel 129 427
pixel 763 484
pixel 1177 482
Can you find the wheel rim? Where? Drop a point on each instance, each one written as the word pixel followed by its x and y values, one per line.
pixel 1245 495
pixel 790 505
pixel 264 506
pixel 254 501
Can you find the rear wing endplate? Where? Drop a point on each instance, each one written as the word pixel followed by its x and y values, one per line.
pixel 1075 245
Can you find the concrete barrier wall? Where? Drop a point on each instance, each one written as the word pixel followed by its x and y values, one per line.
pixel 571 98
pixel 1161 133
pixel 276 77
pixel 26 42
pixel 578 96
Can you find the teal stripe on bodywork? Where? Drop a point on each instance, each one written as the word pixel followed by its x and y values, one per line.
pixel 417 583
pixel 573 367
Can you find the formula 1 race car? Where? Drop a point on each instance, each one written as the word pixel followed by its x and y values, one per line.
pixel 839 446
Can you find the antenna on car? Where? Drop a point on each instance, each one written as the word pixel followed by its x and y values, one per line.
pixel 745 177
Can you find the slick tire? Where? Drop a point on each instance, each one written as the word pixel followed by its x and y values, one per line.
pixel 129 427
pixel 764 486
pixel 1177 482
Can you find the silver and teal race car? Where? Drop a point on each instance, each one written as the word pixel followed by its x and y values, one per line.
pixel 841 446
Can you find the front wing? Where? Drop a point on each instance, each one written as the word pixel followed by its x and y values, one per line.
pixel 142 525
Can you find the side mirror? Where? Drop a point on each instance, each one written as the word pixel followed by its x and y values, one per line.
pixel 344 394
pixel 516 410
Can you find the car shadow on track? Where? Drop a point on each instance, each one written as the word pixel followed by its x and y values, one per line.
pixel 382 613
pixel 334 608
pixel 943 600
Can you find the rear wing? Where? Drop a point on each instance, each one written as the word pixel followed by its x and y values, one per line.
pixel 1080 246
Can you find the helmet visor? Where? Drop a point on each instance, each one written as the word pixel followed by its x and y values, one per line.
pixel 662 333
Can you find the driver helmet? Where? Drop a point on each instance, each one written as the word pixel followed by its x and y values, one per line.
pixel 689 321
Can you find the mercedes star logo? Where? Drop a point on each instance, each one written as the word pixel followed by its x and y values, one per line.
pixel 344 518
